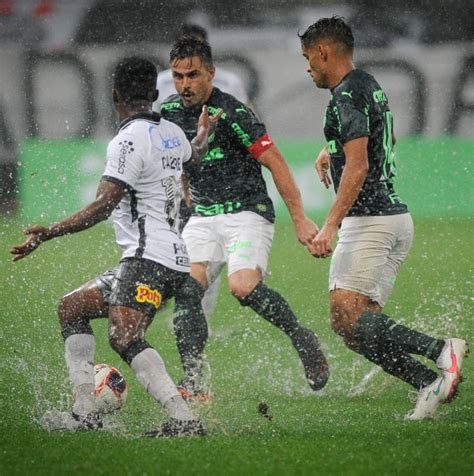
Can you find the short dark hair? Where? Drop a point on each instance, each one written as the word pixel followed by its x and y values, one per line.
pixel 191 30
pixel 333 29
pixel 187 47
pixel 135 79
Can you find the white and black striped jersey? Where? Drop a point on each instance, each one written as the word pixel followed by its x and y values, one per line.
pixel 146 157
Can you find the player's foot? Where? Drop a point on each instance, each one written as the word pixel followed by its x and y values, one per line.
pixel 189 390
pixel 315 365
pixel 178 428
pixel 450 362
pixel 54 420
pixel 429 399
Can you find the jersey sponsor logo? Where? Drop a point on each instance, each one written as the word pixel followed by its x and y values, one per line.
pixel 214 154
pixel 180 248
pixel 332 148
pixel 172 163
pixel 170 142
pixel 379 96
pixel 170 105
pixel 126 148
pixel 145 294
pixel 243 136
pixel 182 261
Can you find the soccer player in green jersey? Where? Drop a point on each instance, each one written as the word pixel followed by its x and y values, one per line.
pixel 232 220
pixel 375 227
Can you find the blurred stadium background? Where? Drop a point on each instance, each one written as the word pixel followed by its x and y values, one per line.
pixel 57 56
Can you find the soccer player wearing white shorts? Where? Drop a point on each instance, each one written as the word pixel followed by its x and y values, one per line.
pixel 376 229
pixel 141 189
pixel 230 83
pixel 233 215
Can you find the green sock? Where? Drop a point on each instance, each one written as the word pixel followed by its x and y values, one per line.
pixel 377 344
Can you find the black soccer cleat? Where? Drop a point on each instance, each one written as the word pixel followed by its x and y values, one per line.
pixel 315 365
pixel 91 421
pixel 178 428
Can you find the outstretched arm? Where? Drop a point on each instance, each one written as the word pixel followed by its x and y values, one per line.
pixel 305 228
pixel 108 197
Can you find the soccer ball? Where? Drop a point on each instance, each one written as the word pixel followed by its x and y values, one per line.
pixel 110 388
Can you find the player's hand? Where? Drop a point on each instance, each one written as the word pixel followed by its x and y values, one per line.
pixel 36 235
pixel 322 166
pixel 208 123
pixel 306 231
pixel 321 246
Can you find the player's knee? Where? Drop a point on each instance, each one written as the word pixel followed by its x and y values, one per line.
pixel 240 288
pixel 117 339
pixel 128 351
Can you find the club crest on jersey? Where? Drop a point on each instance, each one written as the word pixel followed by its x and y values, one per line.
pixel 147 295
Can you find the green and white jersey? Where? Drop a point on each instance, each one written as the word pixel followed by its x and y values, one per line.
pixel 359 108
pixel 229 179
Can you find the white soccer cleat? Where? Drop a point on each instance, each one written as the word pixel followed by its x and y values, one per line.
pixel 450 362
pixel 428 401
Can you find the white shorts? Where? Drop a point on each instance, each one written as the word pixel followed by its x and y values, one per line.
pixel 369 253
pixel 241 240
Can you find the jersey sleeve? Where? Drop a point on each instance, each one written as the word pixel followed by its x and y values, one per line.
pixel 187 148
pixel 124 161
pixel 247 128
pixel 353 116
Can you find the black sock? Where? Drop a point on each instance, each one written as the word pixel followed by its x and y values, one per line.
pixel 371 332
pixel 190 325
pixel 273 307
pixel 409 340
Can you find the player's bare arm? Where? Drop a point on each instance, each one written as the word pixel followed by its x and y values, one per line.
pixel 305 228
pixel 206 126
pixel 108 197
pixel 322 166
pixel 352 179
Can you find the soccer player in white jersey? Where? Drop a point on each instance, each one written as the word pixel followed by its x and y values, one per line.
pixel 141 189
pixel 228 82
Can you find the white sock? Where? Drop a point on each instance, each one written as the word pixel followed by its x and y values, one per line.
pixel 151 373
pixel 79 354
pixel 210 298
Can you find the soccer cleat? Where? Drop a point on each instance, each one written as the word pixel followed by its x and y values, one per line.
pixel 54 420
pixel 178 428
pixel 315 365
pixel 450 362
pixel 194 395
pixel 429 399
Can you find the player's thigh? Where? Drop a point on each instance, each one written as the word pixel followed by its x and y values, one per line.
pixel 91 300
pixel 248 239
pixel 202 240
pixel 360 257
pixel 402 227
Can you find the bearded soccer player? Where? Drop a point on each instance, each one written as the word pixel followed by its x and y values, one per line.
pixel 233 217
pixel 375 227
pixel 141 189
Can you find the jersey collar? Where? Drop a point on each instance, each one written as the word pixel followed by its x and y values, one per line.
pixel 147 116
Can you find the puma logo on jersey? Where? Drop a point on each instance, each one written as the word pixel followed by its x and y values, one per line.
pixel 265 143
pixel 347 93
pixel 240 109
